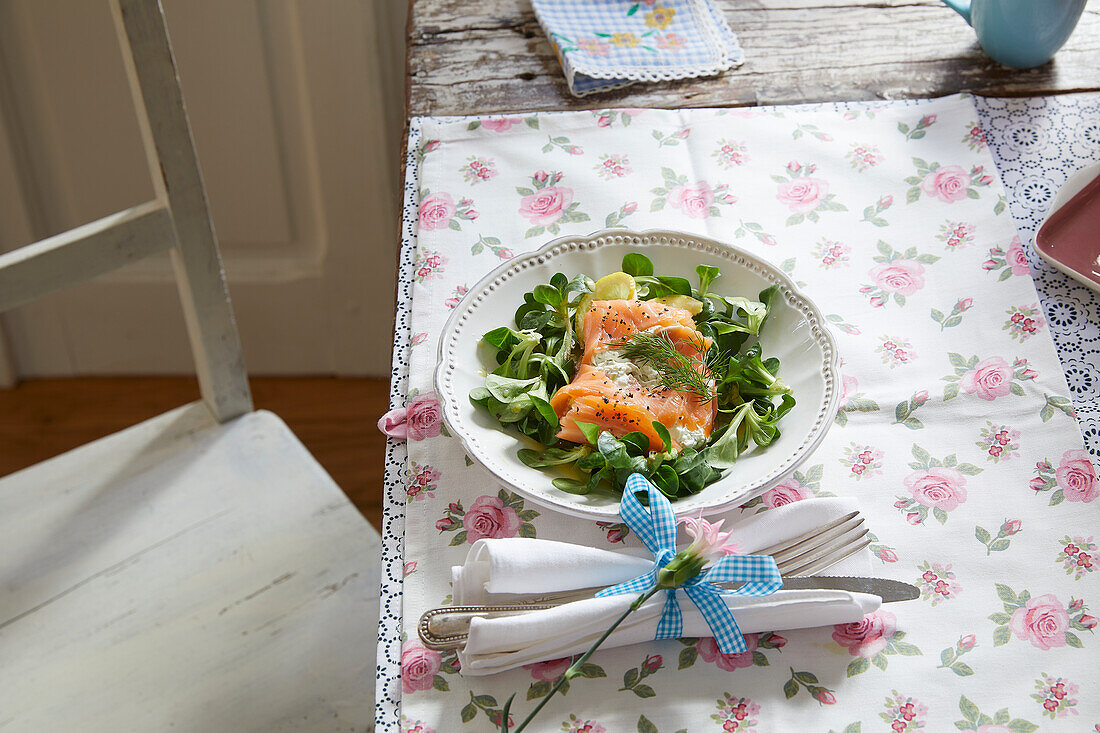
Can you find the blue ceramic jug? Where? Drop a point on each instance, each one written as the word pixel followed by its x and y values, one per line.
pixel 1020 33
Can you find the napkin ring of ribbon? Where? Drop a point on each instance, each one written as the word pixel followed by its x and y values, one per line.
pixel 656 527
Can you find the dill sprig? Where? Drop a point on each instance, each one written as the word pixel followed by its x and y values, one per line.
pixel 676 370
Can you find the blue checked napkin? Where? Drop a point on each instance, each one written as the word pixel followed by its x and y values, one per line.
pixel 609 44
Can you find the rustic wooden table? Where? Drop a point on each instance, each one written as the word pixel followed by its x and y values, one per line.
pixel 492 56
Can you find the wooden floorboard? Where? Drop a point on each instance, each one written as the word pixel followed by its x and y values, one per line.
pixel 333 416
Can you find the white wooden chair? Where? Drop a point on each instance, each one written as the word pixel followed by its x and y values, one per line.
pixel 199 571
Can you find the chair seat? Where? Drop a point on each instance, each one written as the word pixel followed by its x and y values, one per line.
pixel 189 576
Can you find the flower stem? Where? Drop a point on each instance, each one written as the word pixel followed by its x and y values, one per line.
pixel 575 668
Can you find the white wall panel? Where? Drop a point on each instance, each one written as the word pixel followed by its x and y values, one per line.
pixel 297 114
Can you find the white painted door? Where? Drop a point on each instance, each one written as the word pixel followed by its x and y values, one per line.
pixel 297 114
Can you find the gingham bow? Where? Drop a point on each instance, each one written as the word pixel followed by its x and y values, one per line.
pixel 656 527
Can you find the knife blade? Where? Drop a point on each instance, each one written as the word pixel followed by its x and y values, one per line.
pixel 447 627
pixel 888 590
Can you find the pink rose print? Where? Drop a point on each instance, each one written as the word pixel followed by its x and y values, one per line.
pixel 852 400
pixel 671 139
pixel 730 153
pixel 436 211
pixel 898 275
pixel 419 338
pixel 937 583
pixel 1043 621
pixel 420 481
pixel 489 517
pixel 895 351
pixel 863 157
pixel 736 714
pixel 698 201
pixel 904 277
pixel 999 442
pixel 549 671
pixel 1012 261
pixel 974 137
pixel 478 169
pixel 886 554
pixel 949 184
pixel 1078 556
pixel 989 379
pixel 692 201
pixel 862 461
pixel 616 531
pixel 831 255
pixel 424 416
pixel 613 166
pixel 785 492
pixel 871 213
pixel 708 650
pixel 1077 477
pixel 801 195
pixel 937 487
pixel 428 266
pixel 904 713
pixel 545 206
pixel 1016 257
pixel 501 125
pixel 849 387
pixel 419 666
pixel 579 725
pixel 918 130
pixel 1056 696
pixel 956 234
pixel 456 296
pixel 1023 321
pixel 868 637
pixel 414 726
pixel 409 568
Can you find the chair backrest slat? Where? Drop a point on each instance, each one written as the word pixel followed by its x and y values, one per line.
pixel 83 253
pixel 178 219
pixel 174 167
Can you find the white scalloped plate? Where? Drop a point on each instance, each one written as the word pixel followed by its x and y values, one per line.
pixel 795 332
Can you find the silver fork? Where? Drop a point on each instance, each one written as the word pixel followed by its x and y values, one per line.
pixel 808 553
pixel 446 627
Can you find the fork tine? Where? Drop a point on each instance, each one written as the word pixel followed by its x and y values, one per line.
pixel 823 546
pixel 787 544
pixel 812 565
pixel 801 548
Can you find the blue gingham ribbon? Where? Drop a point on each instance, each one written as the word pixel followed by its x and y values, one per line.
pixel 656 527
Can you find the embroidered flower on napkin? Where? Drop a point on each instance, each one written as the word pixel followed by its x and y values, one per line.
pixel 608 44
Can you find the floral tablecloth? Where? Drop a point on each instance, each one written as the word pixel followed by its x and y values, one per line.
pixel 956 430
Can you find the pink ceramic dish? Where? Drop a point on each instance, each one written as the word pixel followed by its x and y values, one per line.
pixel 1070 237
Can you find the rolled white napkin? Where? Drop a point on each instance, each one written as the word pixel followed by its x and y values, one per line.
pixel 502 570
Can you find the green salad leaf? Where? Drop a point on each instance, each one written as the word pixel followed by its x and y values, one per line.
pixel 540 355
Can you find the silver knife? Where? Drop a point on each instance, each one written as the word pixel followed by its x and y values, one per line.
pixel 447 627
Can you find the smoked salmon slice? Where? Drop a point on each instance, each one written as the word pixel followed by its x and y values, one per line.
pixel 623 404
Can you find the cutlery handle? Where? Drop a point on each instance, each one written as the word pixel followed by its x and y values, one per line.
pixel 443 629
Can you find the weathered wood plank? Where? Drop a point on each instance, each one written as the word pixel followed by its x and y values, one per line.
pixel 493 57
